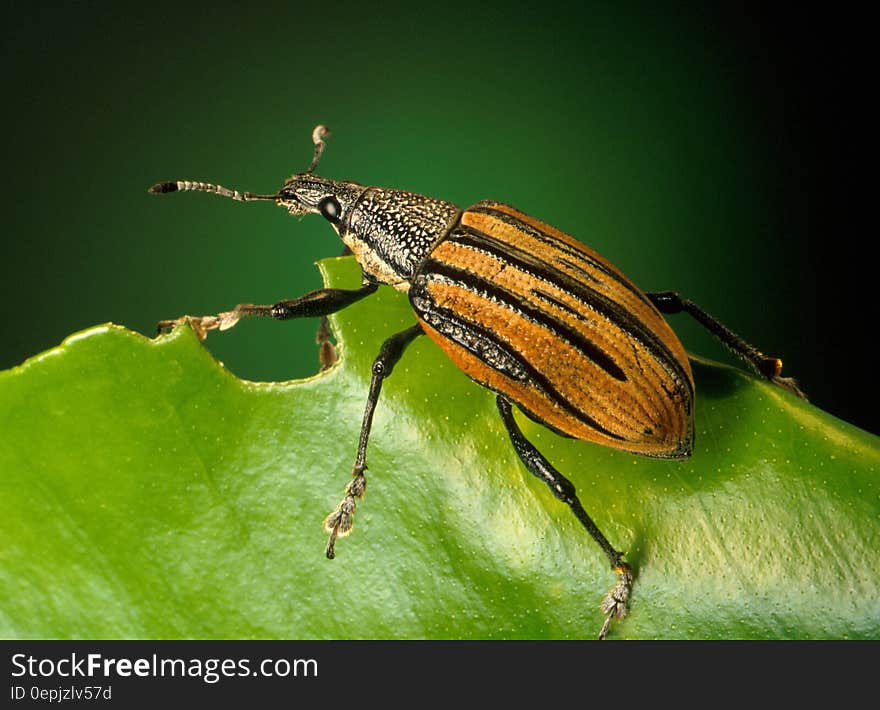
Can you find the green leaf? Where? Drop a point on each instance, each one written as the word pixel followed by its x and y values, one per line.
pixel 147 492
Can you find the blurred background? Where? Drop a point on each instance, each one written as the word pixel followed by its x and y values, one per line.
pixel 718 152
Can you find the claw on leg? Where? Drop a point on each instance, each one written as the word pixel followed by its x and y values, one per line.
pixel 789 384
pixel 615 605
pixel 340 522
pixel 202 324
pixel 771 368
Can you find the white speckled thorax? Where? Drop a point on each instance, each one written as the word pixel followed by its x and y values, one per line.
pixel 391 232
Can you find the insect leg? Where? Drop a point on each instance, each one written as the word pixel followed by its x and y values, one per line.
pixel 327 355
pixel 326 349
pixel 615 602
pixel 320 302
pixel 770 367
pixel 340 521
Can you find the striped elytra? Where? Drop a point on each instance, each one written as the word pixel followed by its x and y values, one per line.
pixel 532 313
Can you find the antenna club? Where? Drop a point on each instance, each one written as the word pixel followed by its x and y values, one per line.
pixel 318 135
pixel 162 187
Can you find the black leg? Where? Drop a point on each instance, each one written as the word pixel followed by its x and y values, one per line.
pixel 770 367
pixel 326 349
pixel 614 605
pixel 321 302
pixel 340 521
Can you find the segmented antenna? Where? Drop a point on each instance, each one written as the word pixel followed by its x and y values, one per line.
pixel 318 135
pixel 189 185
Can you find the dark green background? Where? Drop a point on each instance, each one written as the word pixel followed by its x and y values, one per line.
pixel 711 151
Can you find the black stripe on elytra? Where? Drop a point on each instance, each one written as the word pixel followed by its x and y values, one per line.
pixel 563 246
pixel 589 297
pixel 522 306
pixel 469 334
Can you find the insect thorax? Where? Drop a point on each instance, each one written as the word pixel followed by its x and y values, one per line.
pixel 391 232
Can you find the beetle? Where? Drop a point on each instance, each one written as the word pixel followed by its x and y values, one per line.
pixel 520 307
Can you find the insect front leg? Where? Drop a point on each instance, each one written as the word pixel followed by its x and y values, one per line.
pixel 615 604
pixel 321 302
pixel 770 367
pixel 340 521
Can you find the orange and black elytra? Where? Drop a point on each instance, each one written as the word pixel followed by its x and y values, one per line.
pixel 523 309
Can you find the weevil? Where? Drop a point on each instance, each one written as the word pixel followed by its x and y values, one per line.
pixel 523 309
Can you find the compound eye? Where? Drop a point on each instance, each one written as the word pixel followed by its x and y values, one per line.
pixel 330 209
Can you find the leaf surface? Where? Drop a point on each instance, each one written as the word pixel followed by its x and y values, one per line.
pixel 146 492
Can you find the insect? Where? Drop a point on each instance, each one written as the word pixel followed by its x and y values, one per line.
pixel 523 309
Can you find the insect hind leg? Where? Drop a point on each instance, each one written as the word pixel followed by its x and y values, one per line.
pixel 616 602
pixel 670 302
